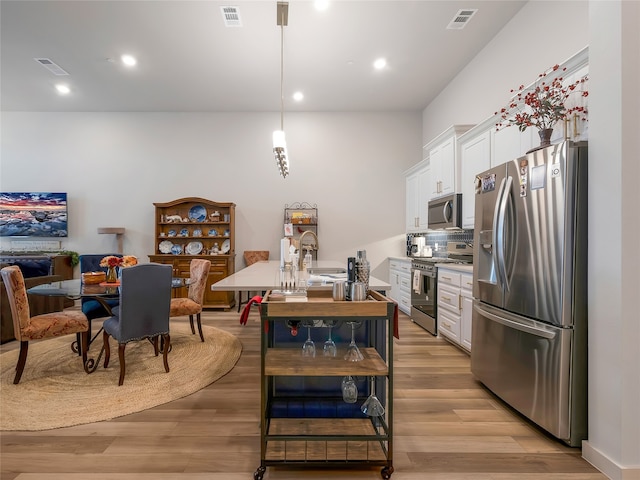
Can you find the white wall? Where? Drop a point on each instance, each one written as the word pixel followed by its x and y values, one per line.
pixel 540 35
pixel 115 165
pixel 614 148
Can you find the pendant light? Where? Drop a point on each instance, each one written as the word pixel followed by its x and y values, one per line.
pixel 279 143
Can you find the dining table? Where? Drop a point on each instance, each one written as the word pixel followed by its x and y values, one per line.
pixel 76 289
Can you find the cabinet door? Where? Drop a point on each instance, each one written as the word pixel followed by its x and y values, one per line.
pixel 423 198
pixel 411 202
pixel 448 167
pixel 510 143
pixel 443 172
pixel 394 281
pixel 435 164
pixel 475 156
pixel 465 322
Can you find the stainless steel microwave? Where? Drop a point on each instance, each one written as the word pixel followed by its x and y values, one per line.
pixel 445 212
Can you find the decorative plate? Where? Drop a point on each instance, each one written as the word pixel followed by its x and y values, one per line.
pixel 176 249
pixel 197 233
pixel 165 246
pixel 193 248
pixel 226 246
pixel 184 232
pixel 198 213
pixel 171 233
pixel 213 232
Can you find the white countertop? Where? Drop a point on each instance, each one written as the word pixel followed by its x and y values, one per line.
pixel 265 276
pixel 460 267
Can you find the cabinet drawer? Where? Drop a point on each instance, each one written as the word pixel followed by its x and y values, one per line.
pixel 405 284
pixel 405 303
pixel 466 282
pixel 394 264
pixel 449 325
pixel 449 298
pixel 448 277
pixel 405 266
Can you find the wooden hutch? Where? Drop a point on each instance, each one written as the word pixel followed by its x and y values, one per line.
pixel 193 227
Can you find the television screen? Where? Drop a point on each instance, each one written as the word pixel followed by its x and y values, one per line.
pixel 39 214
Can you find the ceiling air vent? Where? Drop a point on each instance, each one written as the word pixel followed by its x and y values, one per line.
pixel 461 18
pixel 231 16
pixel 52 67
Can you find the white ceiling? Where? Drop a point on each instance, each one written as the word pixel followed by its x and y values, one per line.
pixel 190 62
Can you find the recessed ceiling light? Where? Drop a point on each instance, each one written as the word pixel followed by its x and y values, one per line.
pixel 298 96
pixel 63 89
pixel 128 60
pixel 321 4
pixel 379 64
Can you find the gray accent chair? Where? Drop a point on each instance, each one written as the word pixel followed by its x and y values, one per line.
pixel 143 312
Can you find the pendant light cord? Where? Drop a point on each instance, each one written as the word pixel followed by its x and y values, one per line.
pixel 282 70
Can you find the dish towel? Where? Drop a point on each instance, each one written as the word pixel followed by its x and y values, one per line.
pixel 247 308
pixel 416 281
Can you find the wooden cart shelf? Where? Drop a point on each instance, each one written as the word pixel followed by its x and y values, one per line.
pixel 290 362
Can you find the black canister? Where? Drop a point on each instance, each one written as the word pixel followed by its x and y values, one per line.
pixel 351 275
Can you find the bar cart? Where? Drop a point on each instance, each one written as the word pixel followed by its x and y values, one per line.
pixel 305 420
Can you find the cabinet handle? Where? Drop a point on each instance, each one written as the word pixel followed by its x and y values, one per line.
pixel 446 299
pixel 459 302
pixel 446 278
pixel 397 279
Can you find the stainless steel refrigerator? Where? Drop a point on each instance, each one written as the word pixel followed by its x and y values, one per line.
pixel 529 331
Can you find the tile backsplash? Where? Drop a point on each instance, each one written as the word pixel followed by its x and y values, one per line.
pixel 441 237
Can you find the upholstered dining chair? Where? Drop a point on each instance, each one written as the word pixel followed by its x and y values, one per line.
pixel 192 304
pixel 143 312
pixel 91 307
pixel 251 257
pixel 47 325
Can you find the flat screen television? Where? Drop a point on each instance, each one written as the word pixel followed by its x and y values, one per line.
pixel 33 214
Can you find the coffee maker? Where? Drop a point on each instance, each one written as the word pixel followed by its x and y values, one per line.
pixel 417 246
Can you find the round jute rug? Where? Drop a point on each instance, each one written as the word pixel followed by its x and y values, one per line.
pixel 55 391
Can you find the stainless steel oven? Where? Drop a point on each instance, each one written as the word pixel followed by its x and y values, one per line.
pixel 423 294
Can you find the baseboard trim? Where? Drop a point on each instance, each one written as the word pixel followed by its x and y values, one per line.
pixel 607 466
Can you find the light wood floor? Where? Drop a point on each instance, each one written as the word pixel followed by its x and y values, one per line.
pixel 447 427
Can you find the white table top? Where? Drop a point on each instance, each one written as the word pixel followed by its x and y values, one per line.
pixel 264 276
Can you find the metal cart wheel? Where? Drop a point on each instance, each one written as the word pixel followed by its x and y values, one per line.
pixel 259 473
pixel 386 472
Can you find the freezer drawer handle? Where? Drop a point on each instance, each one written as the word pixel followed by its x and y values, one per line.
pixel 518 326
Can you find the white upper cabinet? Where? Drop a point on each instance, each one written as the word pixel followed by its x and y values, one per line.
pixel 475 158
pixel 444 161
pixel 417 198
pixel 510 143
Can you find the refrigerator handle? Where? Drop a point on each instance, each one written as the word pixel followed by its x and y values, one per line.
pixel 516 325
pixel 500 245
pixel 494 233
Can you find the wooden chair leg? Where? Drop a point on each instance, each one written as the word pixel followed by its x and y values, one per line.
pixel 193 331
pixel 107 350
pixel 156 349
pixel 22 360
pixel 200 326
pixel 121 359
pixel 165 351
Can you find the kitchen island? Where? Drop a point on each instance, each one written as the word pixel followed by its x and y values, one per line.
pixel 264 276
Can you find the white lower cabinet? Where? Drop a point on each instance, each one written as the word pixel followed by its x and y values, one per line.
pixel 454 306
pixel 400 281
pixel 466 287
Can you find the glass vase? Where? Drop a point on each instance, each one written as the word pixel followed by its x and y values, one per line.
pixel 112 275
